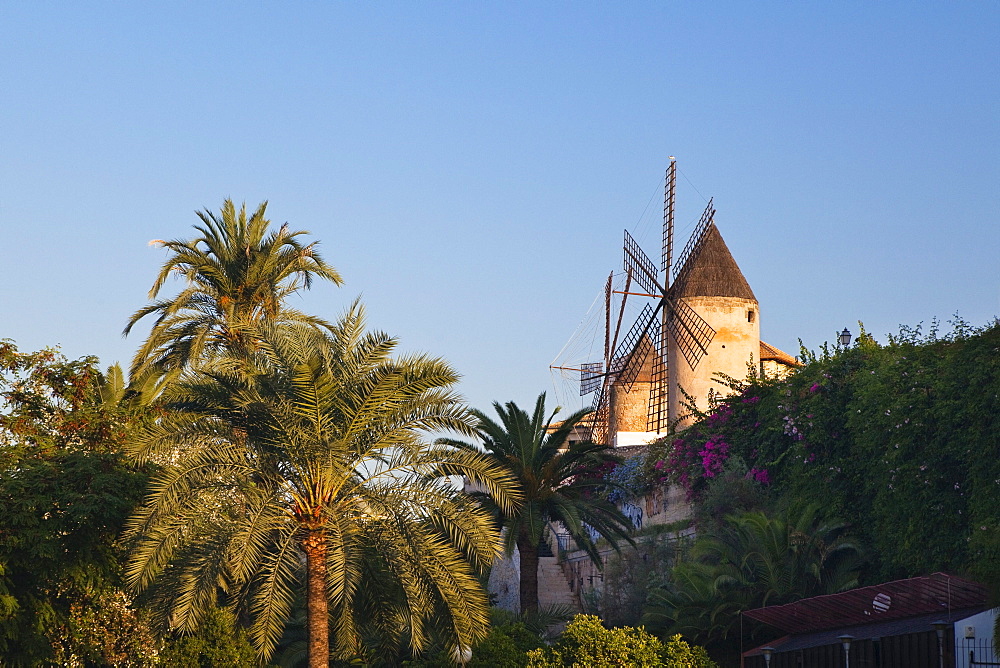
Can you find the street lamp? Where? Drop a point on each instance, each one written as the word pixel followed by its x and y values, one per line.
pixel 845 640
pixel 939 628
pixel 768 651
pixel 845 337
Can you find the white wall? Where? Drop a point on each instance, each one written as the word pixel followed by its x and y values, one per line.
pixel 982 625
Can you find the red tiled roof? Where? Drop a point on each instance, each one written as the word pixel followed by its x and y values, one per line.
pixel 938 593
pixel 769 352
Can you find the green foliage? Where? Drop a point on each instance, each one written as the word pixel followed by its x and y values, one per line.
pixel 217 642
pixel 65 491
pixel 752 560
pixel 587 644
pixel 106 629
pixel 312 446
pixel 539 622
pixel 557 480
pixel 679 654
pixel 730 493
pixel 237 275
pixel 630 574
pixel 899 440
pixel 505 646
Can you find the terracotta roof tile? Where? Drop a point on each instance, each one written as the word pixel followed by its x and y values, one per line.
pixel 770 353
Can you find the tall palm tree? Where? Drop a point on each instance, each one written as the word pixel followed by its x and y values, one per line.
pixel 237 276
pixel 556 478
pixel 312 455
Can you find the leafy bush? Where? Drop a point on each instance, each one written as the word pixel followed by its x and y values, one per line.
pixel 105 629
pixel 505 646
pixel 899 440
pixel 678 654
pixel 218 642
pixel 751 560
pixel 66 492
pixel 587 644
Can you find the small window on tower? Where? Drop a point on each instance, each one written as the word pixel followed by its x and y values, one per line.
pixel 750 315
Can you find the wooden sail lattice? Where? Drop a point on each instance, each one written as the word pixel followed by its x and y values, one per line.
pixel 694 243
pixel 600 423
pixel 657 417
pixel 590 377
pixel 635 349
pixel 689 331
pixel 638 265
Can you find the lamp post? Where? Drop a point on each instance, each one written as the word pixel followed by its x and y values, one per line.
pixel 768 651
pixel 845 337
pixel 939 628
pixel 845 640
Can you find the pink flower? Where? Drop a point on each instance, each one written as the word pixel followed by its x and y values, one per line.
pixel 816 387
pixel 713 456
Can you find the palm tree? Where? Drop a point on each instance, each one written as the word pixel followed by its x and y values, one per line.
pixel 753 560
pixel 556 478
pixel 308 453
pixel 238 276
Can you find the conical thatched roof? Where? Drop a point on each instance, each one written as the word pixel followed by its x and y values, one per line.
pixel 712 272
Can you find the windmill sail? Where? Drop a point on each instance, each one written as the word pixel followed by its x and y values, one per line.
pixel 590 377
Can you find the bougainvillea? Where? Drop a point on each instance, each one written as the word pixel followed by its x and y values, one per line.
pixel 899 439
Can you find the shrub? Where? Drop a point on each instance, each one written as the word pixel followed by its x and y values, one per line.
pixel 586 643
pixel 505 647
pixel 678 654
pixel 218 642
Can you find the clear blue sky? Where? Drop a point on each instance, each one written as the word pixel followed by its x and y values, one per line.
pixel 469 166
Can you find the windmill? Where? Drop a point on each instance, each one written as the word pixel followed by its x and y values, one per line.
pixel 665 323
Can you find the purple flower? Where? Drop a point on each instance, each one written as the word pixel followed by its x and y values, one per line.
pixel 713 456
pixel 816 387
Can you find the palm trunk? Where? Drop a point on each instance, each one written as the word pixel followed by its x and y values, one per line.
pixel 528 550
pixel 317 604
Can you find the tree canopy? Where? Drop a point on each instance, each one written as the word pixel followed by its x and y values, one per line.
pixel 309 450
pixel 66 491
pixel 896 443
pixel 557 479
pixel 237 275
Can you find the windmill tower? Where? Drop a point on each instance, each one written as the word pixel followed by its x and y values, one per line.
pixel 711 284
pixel 700 318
